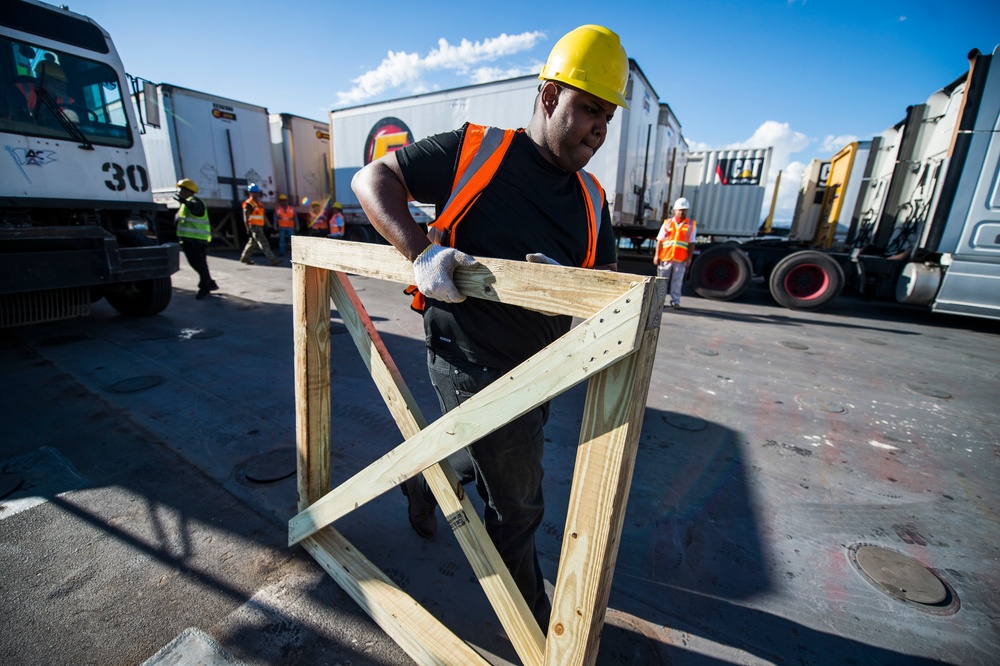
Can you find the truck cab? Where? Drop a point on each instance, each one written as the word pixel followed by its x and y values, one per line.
pixel 75 198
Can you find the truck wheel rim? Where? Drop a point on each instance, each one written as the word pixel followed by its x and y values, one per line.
pixel 720 274
pixel 807 282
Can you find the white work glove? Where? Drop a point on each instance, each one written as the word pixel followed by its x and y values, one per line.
pixel 433 270
pixel 539 258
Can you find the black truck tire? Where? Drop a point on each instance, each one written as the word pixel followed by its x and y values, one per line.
pixel 721 273
pixel 142 298
pixel 358 233
pixel 806 280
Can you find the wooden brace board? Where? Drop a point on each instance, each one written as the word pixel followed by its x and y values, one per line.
pixel 613 348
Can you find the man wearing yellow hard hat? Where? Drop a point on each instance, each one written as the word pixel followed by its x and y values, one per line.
pixel 511 194
pixel 194 231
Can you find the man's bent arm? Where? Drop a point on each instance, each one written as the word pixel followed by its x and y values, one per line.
pixel 383 195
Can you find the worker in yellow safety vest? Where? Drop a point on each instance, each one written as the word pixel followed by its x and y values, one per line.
pixel 284 222
pixel 673 249
pixel 255 220
pixel 194 233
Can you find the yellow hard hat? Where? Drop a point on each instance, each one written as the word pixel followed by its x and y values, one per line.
pixel 50 70
pixel 337 205
pixel 282 197
pixel 592 59
pixel 187 184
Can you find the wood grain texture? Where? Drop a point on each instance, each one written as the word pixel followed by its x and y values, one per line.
pixel 512 611
pixel 416 631
pixel 311 334
pixel 587 349
pixel 552 289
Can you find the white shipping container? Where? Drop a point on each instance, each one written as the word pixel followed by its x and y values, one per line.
pixel 364 133
pixel 300 149
pixel 221 144
pixel 726 190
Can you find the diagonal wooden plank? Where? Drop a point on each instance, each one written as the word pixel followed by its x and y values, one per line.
pixel 550 289
pixel 609 438
pixel 597 343
pixel 513 612
pixel 311 331
pixel 419 633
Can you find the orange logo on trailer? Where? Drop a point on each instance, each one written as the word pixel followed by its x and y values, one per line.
pixel 387 136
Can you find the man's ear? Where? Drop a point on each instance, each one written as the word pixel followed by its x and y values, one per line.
pixel 550 97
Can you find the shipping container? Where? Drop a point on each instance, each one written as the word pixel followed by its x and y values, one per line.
pixel 624 165
pixel 221 144
pixel 726 190
pixel 300 150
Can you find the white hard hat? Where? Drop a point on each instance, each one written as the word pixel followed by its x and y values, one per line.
pixel 682 203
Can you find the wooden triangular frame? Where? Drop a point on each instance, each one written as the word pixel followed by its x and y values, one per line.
pixel 613 347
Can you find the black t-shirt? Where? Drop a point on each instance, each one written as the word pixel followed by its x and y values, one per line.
pixel 529 206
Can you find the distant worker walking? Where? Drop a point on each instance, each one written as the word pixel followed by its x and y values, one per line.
pixel 337 221
pixel 194 233
pixel 284 222
pixel 318 224
pixel 673 249
pixel 255 220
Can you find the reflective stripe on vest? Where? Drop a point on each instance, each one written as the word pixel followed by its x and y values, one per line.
pixel 674 247
pixel 193 226
pixel 482 151
pixel 286 217
pixel 257 216
pixel 481 154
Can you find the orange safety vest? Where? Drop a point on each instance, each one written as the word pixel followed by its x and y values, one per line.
pixel 30 92
pixel 337 224
pixel 480 156
pixel 286 217
pixel 257 216
pixel 674 246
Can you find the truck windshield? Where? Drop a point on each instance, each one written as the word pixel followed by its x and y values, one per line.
pixel 40 89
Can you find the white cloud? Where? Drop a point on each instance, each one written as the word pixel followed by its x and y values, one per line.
pixel 487 74
pixel 406 70
pixel 833 144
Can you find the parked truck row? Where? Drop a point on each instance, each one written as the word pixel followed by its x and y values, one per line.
pixel 920 205
pixel 86 187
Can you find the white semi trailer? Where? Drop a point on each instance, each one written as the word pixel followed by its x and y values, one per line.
pixel 221 144
pixel 300 150
pixel 628 165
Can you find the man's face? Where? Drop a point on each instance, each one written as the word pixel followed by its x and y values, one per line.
pixel 681 213
pixel 577 126
pixel 184 193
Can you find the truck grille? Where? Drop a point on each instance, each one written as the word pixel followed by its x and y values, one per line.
pixel 35 307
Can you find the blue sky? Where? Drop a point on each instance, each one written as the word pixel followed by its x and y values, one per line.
pixel 805 76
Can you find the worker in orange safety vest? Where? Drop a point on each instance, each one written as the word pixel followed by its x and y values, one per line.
pixel 284 222
pixel 255 220
pixel 673 249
